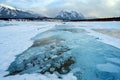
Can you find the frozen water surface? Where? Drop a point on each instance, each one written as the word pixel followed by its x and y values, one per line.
pixel 67 49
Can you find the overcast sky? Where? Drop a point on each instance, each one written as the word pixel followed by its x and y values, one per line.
pixel 89 8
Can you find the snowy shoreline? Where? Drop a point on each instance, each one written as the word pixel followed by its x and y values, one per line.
pixel 106 38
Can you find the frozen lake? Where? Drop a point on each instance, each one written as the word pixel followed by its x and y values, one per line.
pixel 95 56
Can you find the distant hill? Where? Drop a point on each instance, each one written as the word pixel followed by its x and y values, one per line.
pixel 72 15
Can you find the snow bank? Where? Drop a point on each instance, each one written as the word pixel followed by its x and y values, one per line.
pixel 15 39
pixel 105 38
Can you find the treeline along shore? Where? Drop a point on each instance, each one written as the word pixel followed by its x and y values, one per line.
pixel 100 19
pixel 60 20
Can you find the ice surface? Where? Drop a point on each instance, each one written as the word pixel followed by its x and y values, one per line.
pixel 94 60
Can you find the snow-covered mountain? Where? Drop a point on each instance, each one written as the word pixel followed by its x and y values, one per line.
pixel 7 11
pixel 69 15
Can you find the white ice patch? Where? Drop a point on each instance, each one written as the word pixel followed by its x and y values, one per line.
pixel 70 76
pixel 114 60
pixel 108 67
pixel 36 76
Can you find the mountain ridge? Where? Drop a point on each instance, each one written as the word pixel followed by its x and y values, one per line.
pixel 7 11
pixel 69 15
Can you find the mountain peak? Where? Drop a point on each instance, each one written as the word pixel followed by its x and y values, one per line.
pixel 8 7
pixel 7 11
pixel 69 15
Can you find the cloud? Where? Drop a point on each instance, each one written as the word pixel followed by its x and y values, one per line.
pixel 90 8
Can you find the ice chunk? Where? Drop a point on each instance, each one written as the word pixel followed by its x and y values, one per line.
pixel 114 60
pixel 108 67
pixel 50 60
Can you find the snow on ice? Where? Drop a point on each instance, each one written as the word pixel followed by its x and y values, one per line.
pixel 95 56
